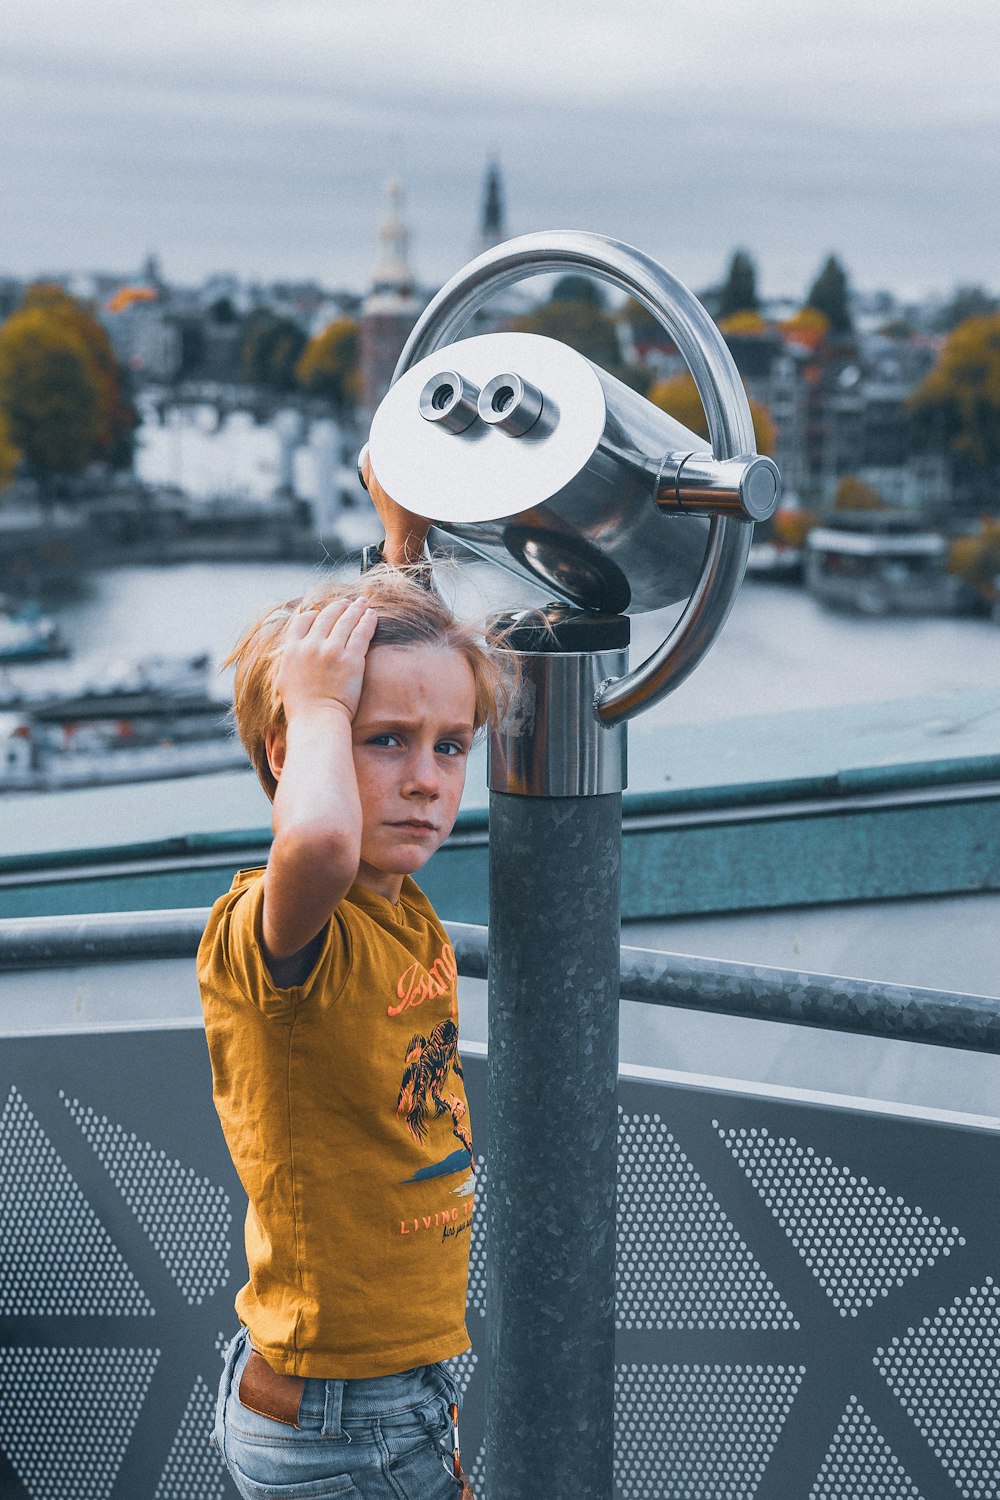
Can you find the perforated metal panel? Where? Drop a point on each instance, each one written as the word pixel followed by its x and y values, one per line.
pixel 192 1470
pixel 856 1238
pixel 699 1432
pixel 58 1257
pixel 808 1296
pixel 946 1374
pixel 54 1416
pixel 681 1261
pixel 186 1217
pixel 860 1462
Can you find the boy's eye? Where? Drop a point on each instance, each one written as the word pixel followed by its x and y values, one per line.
pixel 449 747
pixel 384 739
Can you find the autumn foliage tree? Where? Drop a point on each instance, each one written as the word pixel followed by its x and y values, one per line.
pixel 329 365
pixel 807 328
pixel 679 396
pixel 744 324
pixel 62 391
pixel 9 454
pixel 50 399
pixel 857 494
pixel 957 405
pixel 976 559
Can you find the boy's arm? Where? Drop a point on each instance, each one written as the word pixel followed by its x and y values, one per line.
pixel 405 532
pixel 317 812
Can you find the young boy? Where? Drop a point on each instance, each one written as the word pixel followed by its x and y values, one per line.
pixel 329 991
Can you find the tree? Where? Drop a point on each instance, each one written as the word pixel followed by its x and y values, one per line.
pixel 118 418
pixel 9 455
pixel 830 293
pixel 790 526
pixel 223 311
pixel 739 290
pixel 329 365
pixel 855 494
pixel 585 289
pixel 582 325
pixel 270 349
pixel 679 396
pixel 50 399
pixel 957 405
pixel 976 559
pixel 641 322
pixel 807 328
pixel 743 324
pixel 965 302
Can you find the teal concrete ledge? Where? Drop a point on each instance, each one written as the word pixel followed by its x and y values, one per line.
pixel 755 853
pixel 872 802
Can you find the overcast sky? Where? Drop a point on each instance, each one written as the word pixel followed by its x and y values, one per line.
pixel 256 135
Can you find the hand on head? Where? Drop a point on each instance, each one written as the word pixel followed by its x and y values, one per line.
pixel 323 663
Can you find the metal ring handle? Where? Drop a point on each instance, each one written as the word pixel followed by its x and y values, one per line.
pixel 719 386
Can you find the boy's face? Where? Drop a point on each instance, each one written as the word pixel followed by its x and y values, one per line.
pixel 412 735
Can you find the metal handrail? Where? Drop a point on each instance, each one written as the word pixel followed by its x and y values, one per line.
pixel 865 1007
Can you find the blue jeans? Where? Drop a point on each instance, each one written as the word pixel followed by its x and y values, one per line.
pixel 387 1438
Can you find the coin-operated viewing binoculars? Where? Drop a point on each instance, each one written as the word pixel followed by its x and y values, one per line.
pixel 545 464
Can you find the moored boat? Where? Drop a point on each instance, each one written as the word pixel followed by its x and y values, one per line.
pixel 143 721
pixel 26 634
pixel 881 564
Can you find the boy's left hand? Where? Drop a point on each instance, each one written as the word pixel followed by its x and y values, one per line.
pixel 405 533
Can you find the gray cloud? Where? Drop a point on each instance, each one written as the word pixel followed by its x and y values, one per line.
pixel 256 135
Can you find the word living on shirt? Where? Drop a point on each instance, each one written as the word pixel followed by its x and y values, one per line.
pixel 447 1221
pixel 417 984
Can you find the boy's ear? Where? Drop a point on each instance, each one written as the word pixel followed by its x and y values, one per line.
pixel 274 744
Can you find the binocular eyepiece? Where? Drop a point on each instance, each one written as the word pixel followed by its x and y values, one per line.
pixel 506 402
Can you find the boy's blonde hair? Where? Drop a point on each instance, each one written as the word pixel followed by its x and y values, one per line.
pixel 409 614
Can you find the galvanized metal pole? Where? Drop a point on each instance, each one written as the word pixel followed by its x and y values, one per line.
pixel 554 935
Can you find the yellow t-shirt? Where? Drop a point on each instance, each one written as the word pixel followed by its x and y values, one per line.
pixel 344 1109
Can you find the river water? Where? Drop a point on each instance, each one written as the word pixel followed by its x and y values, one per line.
pixel 779 651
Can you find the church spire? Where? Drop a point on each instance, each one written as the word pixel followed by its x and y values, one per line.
pixel 492 225
pixel 393 273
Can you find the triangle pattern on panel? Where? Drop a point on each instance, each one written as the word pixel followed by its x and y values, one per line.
pixel 699 1432
pixel 944 1374
pixel 194 1469
pixel 681 1261
pixel 859 1461
pixel 67 1416
pixel 857 1239
pixel 187 1218
pixel 59 1259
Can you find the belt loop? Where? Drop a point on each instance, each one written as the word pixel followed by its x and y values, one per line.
pixel 454 1394
pixel 332 1408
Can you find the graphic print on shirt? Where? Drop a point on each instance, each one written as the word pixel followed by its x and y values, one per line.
pixel 424 1095
pixel 417 984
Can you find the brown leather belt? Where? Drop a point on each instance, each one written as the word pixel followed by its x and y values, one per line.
pixel 264 1391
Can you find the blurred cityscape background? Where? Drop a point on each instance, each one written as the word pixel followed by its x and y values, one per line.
pixel 178 445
